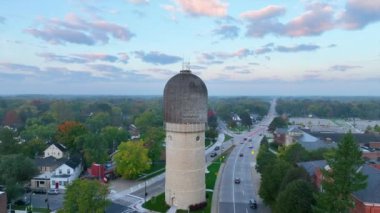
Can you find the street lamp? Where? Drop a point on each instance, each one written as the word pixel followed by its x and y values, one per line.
pixel 146 193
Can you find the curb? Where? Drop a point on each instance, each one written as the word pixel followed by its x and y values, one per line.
pixel 215 194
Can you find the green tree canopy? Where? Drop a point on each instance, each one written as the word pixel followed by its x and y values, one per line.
pixel 342 178
pixel 278 122
pixel 293 153
pixel 293 174
pixel 153 140
pixel 84 196
pixel 132 159
pixel 15 170
pixel 296 198
pixel 113 136
pixel 271 180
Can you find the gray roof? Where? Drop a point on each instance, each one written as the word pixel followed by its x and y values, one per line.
pixel 371 194
pixel 311 166
pixel 73 162
pixel 49 161
pixel 317 145
pixel 337 137
pixel 185 99
pixel 281 130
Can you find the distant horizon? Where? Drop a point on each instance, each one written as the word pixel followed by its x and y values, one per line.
pixel 237 47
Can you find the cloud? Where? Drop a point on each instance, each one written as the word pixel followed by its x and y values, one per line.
pixel 360 13
pixel 227 31
pixel 73 29
pixel 2 20
pixel 157 57
pixel 214 8
pixel 197 67
pixel 18 69
pixel 343 68
pixel 317 18
pixel 332 45
pixel 105 68
pixel 263 50
pixel 271 11
pixel 138 1
pixel 219 57
pixel 85 57
pixel 297 48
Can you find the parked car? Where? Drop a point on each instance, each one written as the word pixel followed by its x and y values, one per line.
pixel 53 191
pixel 213 154
pixel 253 203
pixel 216 148
pixel 237 180
pixel 241 154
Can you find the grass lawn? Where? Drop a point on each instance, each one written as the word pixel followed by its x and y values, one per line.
pixel 227 137
pixel 42 210
pixel 157 204
pixel 205 210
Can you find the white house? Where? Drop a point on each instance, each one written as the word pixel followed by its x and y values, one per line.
pixel 66 173
pixel 56 150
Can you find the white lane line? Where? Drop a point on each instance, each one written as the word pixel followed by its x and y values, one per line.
pixel 233 177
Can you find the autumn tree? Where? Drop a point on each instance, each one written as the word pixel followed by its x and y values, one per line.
pixel 342 178
pixel 68 132
pixel 132 159
pixel 84 196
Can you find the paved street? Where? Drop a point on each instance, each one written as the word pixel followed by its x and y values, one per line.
pixel 233 197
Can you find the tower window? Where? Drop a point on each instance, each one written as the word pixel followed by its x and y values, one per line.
pixel 197 138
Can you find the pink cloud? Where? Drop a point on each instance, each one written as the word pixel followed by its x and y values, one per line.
pixel 268 12
pixel 203 7
pixel 316 20
pixel 73 29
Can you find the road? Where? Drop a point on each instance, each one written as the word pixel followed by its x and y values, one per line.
pixel 234 198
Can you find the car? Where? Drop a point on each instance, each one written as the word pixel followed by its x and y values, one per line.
pixel 241 154
pixel 237 180
pixel 216 148
pixel 53 191
pixel 253 203
pixel 213 154
pixel 245 139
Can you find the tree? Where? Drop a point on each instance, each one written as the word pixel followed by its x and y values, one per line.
pixel 68 132
pixel 149 118
pixel 98 120
pixel 296 198
pixel 293 174
pixel 343 178
pixel 293 153
pixel 245 119
pixel 132 159
pixel 15 170
pixel 94 149
pixel 278 122
pixel 33 148
pixel 271 180
pixel 84 196
pixel 8 143
pixel 264 157
pixel 113 136
pixel 153 139
pixel 211 134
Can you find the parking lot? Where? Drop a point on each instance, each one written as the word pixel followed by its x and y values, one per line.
pixel 54 202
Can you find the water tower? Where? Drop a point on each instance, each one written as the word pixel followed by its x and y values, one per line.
pixel 185 117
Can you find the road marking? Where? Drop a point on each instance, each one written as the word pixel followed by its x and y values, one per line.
pixel 233 176
pixel 246 210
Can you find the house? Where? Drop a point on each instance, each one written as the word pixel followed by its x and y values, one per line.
pixel 134 132
pixel 3 202
pixel 56 150
pixel 366 200
pixel 66 173
pixel 48 164
pixel 287 136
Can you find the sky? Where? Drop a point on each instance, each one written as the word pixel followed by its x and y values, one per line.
pixel 238 47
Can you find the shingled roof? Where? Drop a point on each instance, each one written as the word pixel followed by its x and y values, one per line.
pixel 371 194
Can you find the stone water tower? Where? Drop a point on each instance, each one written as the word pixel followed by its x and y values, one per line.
pixel 185 117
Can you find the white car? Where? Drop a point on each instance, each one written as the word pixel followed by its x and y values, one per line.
pixel 53 191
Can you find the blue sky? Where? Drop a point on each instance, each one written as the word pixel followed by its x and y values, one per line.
pixel 240 47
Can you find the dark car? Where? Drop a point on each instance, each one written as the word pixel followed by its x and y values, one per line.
pixel 216 148
pixel 237 180
pixel 253 204
pixel 213 154
pixel 241 154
